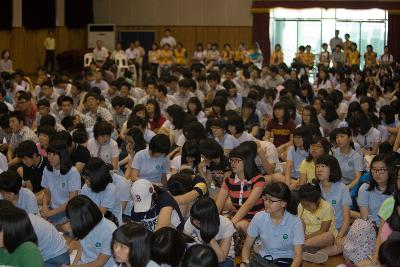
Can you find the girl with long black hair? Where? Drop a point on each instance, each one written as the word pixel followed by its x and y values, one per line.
pixel 207 226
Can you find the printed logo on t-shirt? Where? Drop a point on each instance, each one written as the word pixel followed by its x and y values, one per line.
pixel 333 202
pixel 98 245
pixel 138 198
pixel 285 236
pixel 150 223
pixel 158 167
pixel 281 131
pixel 350 163
pixel 62 185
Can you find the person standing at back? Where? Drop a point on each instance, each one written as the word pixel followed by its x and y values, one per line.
pixel 168 39
pixel 50 47
pixel 336 41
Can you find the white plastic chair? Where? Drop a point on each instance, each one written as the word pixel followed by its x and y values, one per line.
pixel 87 59
pixel 121 62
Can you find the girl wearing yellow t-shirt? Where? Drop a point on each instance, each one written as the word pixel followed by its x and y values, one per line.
pixel 370 57
pixel 166 56
pixel 241 55
pixel 180 54
pixel 227 54
pixel 318 217
pixel 353 56
pixel 318 147
pixel 154 56
pixel 277 56
pixel 347 44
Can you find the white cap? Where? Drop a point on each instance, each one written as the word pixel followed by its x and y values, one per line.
pixel 142 191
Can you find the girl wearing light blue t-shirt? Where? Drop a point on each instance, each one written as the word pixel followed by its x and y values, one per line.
pixel 297 153
pixel 280 231
pixel 135 237
pixel 350 161
pixel 219 131
pixel 152 163
pixel 61 182
pixel 380 187
pixel 93 231
pixel 327 171
pixel 100 189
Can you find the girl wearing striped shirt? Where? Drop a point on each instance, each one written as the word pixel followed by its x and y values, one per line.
pixel 244 186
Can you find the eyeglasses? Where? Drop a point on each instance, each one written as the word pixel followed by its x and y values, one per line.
pixel 316 146
pixel 234 160
pixel 379 171
pixel 268 199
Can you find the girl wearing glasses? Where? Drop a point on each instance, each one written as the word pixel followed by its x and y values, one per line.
pixel 279 230
pixel 319 146
pixel 207 226
pixel 244 187
pixel 380 187
pixel 328 172
pixel 390 216
pixel 350 161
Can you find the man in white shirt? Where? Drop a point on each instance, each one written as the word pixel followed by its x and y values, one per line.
pixel 163 99
pixel 183 95
pixel 100 53
pixel 168 39
pixel 336 41
pixel 140 53
pixel 131 53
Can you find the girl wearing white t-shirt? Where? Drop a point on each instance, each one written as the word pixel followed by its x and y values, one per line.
pixel 207 226
pixel 102 145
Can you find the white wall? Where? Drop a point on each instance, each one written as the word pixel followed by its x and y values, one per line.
pixel 174 12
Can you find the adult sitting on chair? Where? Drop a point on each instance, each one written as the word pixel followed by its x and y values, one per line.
pixel 100 53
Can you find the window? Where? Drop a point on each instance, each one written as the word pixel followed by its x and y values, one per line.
pixel 294 27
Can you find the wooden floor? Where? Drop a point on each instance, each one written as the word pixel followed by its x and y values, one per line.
pixel 332 262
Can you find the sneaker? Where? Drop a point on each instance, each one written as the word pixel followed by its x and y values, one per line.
pixel 317 257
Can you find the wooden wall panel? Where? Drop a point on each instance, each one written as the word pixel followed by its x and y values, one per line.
pixel 27 51
pixel 191 35
pixel 26 46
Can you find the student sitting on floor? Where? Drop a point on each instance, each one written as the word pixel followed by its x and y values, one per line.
pixel 11 190
pixel 280 231
pixel 318 218
pixel 328 173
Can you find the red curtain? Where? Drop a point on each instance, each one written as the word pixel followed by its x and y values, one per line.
pixel 394 35
pixel 261 33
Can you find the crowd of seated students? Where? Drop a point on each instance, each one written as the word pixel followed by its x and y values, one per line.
pixel 225 161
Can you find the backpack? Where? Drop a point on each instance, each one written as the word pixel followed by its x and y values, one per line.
pixel 359 243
